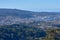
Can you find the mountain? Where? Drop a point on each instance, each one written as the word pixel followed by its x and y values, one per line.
pixel 15 12
pixel 18 24
pixel 24 13
pixel 16 16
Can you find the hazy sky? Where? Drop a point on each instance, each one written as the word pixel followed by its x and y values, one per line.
pixel 33 5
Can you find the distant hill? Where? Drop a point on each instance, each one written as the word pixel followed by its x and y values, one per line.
pixel 24 13
pixel 15 12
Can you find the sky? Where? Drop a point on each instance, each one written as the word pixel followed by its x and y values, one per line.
pixel 32 5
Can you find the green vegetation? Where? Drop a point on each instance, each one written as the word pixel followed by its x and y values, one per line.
pixel 20 32
pixel 25 32
pixel 52 34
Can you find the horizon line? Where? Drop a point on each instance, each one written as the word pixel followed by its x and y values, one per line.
pixel 30 10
